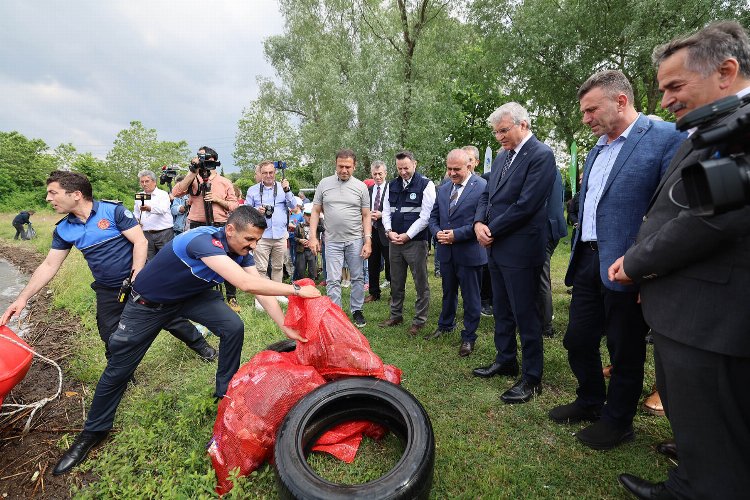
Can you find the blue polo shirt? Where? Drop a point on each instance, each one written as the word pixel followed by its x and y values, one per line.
pixel 177 271
pixel 108 253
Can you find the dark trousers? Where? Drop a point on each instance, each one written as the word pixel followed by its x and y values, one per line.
pixel 595 311
pixel 514 304
pixel 230 289
pixel 379 253
pixel 467 278
pixel 109 310
pixel 544 298
pixel 157 240
pixel 19 231
pixel 306 260
pixel 486 290
pixel 139 326
pixel 707 401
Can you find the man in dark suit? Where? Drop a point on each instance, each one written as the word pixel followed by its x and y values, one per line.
pixel 556 229
pixel 620 175
pixel 379 239
pixel 693 273
pixel 460 255
pixel 510 222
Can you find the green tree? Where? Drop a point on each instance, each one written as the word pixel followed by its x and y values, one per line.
pixel 137 148
pixel 264 133
pixel 24 163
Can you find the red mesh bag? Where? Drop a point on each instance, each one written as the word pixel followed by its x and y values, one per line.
pixel 258 398
pixel 335 347
pixel 343 440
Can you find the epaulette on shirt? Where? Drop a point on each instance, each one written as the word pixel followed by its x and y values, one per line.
pixel 116 202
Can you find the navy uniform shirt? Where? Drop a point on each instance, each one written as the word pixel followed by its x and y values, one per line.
pixel 177 271
pixel 108 253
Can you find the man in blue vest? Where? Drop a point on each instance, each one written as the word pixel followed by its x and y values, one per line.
pixel 406 215
pixel 180 281
pixel 113 245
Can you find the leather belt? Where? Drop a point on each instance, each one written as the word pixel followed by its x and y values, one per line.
pixel 593 245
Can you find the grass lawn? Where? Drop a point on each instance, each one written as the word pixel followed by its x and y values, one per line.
pixel 484 448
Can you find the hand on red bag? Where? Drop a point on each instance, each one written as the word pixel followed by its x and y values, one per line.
pixel 293 334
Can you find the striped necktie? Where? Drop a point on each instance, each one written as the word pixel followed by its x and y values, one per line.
pixel 508 160
pixel 454 198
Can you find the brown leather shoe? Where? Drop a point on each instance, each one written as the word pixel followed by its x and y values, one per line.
pixel 371 298
pixel 466 349
pixel 607 371
pixel 652 404
pixel 414 329
pixel 391 322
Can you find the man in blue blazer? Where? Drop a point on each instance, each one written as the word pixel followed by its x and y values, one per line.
pixel 460 255
pixel 556 230
pixel 511 223
pixel 620 175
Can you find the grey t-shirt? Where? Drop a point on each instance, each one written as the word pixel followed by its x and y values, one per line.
pixel 342 204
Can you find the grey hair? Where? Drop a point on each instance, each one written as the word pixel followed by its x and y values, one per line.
pixel 516 112
pixel 377 164
pixel 149 173
pixel 709 47
pixel 459 154
pixel 612 82
pixel 472 149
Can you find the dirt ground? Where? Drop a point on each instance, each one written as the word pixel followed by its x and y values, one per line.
pixel 26 462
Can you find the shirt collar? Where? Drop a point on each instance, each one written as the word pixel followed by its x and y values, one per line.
pixel 94 209
pixel 603 140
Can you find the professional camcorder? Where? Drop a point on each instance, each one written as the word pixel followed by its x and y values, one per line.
pixel 203 166
pixel 168 174
pixel 721 183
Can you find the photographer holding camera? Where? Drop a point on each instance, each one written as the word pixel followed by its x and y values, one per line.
pixel 693 272
pixel 211 200
pixel 274 200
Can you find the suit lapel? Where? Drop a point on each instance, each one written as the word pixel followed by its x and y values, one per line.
pixel 637 133
pixel 520 160
pixel 685 149
pixel 470 185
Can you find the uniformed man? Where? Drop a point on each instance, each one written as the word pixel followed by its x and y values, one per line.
pixel 114 247
pixel 180 281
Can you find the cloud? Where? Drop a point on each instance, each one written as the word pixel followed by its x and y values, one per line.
pixel 81 71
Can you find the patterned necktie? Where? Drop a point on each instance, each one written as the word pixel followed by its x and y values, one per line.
pixel 376 206
pixel 508 160
pixel 454 198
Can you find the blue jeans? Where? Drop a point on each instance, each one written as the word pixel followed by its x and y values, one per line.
pixel 336 254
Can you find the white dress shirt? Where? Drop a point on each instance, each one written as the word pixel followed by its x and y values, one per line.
pixel 160 216
pixel 428 200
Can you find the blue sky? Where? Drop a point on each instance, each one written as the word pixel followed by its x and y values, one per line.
pixel 81 71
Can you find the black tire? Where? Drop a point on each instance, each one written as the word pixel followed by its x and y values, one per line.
pixel 356 398
pixel 286 345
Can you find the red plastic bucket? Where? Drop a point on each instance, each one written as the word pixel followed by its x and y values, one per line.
pixel 14 361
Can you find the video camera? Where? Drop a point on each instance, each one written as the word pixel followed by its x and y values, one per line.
pixel 168 174
pixel 203 166
pixel 721 183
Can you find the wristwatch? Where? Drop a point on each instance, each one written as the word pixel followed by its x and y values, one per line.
pixel 297 288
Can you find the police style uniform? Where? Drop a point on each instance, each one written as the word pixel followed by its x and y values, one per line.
pixel 109 255
pixel 175 283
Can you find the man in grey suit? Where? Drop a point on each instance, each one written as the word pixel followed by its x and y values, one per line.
pixel 620 175
pixel 694 276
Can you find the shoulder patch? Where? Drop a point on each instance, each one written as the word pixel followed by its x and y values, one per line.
pixel 103 224
pixel 128 214
pixel 217 243
pixel 413 196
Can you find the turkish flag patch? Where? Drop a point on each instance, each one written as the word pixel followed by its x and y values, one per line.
pixel 217 243
pixel 103 224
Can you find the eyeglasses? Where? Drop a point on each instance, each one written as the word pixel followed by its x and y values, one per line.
pixel 503 131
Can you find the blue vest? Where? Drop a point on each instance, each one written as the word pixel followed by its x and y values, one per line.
pixel 108 253
pixel 407 203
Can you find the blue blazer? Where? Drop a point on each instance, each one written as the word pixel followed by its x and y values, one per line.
pixel 556 224
pixel 466 250
pixel 515 208
pixel 624 200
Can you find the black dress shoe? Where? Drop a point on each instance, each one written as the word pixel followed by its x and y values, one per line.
pixel 605 435
pixel 509 369
pixel 548 332
pixel 573 413
pixel 668 448
pixel 521 392
pixel 206 352
pixel 640 488
pixel 486 310
pixel 466 349
pixel 78 451
pixel 436 334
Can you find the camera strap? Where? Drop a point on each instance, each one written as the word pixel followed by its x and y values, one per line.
pixel 261 188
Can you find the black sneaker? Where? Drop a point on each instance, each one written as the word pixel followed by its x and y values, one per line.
pixel 206 352
pixel 359 319
pixel 486 310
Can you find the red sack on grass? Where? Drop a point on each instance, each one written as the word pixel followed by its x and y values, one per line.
pixel 335 347
pixel 259 396
pixel 343 440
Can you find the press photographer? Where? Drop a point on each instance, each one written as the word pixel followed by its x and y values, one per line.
pixel 694 272
pixel 211 199
pixel 274 200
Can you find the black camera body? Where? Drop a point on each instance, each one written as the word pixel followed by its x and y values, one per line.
pixel 269 211
pixel 142 196
pixel 168 174
pixel 203 166
pixel 721 183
